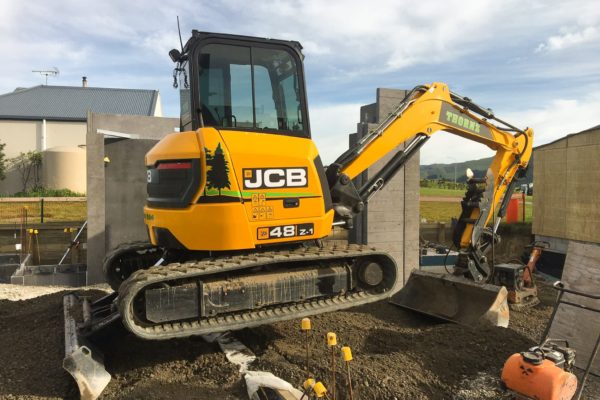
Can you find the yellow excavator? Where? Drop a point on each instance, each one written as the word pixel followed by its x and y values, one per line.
pixel 239 203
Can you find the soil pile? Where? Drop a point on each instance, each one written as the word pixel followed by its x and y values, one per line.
pixel 397 355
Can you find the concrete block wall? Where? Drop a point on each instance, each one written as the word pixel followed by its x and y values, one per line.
pixel 117 191
pixel 391 219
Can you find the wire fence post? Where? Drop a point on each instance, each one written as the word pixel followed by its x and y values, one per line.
pixel 41 210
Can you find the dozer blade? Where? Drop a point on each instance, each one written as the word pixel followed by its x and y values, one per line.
pixel 85 367
pixel 454 299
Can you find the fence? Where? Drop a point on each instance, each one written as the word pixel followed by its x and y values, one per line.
pixel 15 210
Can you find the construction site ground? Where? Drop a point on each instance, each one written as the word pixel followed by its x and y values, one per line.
pixel 397 354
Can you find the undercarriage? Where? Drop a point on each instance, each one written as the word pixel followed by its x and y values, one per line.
pixel 231 292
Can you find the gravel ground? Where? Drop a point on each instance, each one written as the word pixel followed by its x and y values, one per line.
pixel 397 355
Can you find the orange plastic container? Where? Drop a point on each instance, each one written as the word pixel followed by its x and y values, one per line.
pixel 544 381
pixel 512 211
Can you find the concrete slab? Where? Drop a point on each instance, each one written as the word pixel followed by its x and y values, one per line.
pixel 50 275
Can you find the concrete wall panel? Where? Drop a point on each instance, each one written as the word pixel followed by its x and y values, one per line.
pixel 116 193
pixel 392 215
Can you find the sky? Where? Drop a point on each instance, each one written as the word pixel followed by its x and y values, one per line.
pixel 535 63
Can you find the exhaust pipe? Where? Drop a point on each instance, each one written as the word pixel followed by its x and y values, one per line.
pixel 85 366
pixel 454 299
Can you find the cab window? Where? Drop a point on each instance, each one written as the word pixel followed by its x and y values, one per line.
pixel 250 88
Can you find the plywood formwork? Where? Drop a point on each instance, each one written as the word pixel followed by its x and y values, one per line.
pixel 567 188
pixel 580 327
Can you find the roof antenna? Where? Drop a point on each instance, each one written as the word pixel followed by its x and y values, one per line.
pixel 51 72
pixel 179 30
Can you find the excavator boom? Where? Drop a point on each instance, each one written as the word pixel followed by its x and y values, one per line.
pixel 464 297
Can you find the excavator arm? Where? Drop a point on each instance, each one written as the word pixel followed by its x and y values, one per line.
pixel 424 111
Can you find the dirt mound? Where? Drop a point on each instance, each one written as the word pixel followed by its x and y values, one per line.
pixel 397 355
pixel 31 333
pixel 405 356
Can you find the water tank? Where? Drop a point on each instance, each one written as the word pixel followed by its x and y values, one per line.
pixel 64 167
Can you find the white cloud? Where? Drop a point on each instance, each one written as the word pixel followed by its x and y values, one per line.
pixel 553 120
pixel 383 35
pixel 330 126
pixel 570 38
pixel 447 148
pixel 352 46
pixel 559 117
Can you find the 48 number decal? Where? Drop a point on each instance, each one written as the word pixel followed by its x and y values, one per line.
pixel 285 231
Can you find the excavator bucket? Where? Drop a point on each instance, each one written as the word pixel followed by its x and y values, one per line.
pixel 85 366
pixel 454 299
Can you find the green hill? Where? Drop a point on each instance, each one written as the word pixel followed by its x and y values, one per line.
pixel 479 167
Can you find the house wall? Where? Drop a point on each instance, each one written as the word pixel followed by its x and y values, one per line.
pixel 19 136
pixel 24 136
pixel 65 134
pixel 566 178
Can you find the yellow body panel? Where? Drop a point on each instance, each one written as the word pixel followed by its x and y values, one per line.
pixel 229 215
pixel 176 146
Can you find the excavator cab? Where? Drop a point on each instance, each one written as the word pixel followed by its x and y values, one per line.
pixel 242 83
pixel 244 163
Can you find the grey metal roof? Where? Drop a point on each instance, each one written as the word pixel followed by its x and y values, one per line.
pixel 71 103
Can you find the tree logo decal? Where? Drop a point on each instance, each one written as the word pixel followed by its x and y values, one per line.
pixel 217 175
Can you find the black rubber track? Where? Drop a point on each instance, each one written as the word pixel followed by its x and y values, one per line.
pixel 142 279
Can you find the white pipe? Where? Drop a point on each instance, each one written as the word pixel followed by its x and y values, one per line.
pixel 43 138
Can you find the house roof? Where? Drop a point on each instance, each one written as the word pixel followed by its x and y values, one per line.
pixel 71 103
pixel 594 128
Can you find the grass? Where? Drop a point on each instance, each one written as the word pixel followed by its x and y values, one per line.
pixel 440 211
pixel 439 192
pixel 10 213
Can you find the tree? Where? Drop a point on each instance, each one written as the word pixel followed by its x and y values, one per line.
pixel 2 162
pixel 218 175
pixel 28 165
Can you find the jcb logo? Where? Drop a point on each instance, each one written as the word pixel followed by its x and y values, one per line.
pixel 261 178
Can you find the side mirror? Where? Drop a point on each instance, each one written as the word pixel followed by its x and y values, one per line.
pixel 175 55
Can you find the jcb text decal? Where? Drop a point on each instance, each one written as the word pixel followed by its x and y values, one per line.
pixel 262 178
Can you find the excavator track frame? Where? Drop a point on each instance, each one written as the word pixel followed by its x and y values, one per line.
pixel 137 255
pixel 143 279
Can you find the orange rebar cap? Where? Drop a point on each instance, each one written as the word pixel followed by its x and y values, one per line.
pixel 308 384
pixel 319 390
pixel 331 339
pixel 305 324
pixel 347 353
